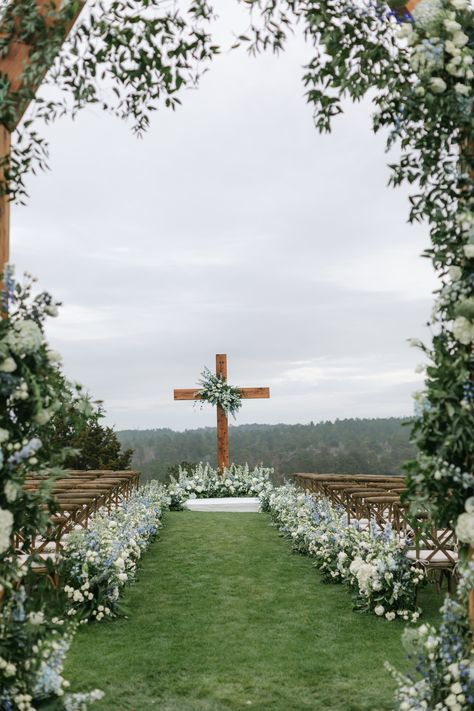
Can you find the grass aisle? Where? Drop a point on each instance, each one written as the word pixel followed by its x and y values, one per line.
pixel 225 617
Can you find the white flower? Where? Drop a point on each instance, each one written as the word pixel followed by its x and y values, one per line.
pixel 390 616
pixel 465 528
pixel 460 39
pixel 8 365
pixel 427 12
pixel 43 416
pixel 52 309
pixel 36 618
pixel 463 330
pixel 54 356
pixel 438 85
pixel 122 577
pixel 469 504
pixel 25 337
pixel 455 273
pixel 459 4
pixel 452 25
pixel 462 89
pixel 6 525
pixel 456 688
pixel 11 491
pixel 379 610
pixel 468 250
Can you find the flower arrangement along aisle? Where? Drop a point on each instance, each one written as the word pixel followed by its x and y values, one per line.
pixel 31 392
pixel 100 560
pixel 206 482
pixel 371 563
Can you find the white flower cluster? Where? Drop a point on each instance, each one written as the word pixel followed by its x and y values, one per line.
pixel 371 562
pixel 237 480
pixel 101 559
pixel 217 391
pixel 465 523
pixel 444 662
pixel 439 51
pixel 6 527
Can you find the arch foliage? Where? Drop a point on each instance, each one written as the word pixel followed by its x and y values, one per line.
pixel 132 56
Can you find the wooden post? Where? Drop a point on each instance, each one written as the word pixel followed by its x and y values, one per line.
pixel 222 421
pixel 4 202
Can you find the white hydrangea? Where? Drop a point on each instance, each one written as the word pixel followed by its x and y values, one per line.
pixel 463 330
pixel 465 528
pixel 25 337
pixel 6 526
pixel 11 491
pixel 427 12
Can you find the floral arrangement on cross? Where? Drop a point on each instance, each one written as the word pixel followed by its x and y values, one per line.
pixel 217 391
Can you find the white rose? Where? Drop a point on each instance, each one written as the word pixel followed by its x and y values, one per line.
pixel 455 273
pixel 465 528
pixel 462 89
pixel 6 525
pixel 438 85
pixel 122 577
pixel 456 688
pixel 390 616
pixel 468 250
pixel 8 365
pixel 379 610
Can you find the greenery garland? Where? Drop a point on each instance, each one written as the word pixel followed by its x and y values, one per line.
pixel 32 395
pixel 216 391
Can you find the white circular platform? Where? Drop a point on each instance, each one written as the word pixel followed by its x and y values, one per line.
pixel 231 503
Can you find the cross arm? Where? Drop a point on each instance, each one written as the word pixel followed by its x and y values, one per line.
pixel 246 393
pixel 254 393
pixel 187 394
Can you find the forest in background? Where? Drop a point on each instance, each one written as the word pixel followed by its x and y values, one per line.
pixel 352 446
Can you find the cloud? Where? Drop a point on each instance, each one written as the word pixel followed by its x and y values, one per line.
pixel 231 227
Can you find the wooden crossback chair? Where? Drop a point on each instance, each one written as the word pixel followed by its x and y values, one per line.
pixel 433 549
pixel 77 496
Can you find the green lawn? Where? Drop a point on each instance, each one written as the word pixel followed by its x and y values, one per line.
pixel 224 616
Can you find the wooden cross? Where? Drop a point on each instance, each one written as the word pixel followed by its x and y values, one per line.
pixel 222 421
pixel 13 64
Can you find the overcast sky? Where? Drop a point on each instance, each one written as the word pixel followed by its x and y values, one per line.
pixel 232 227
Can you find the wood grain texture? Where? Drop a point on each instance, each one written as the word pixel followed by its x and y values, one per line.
pixel 17 58
pixel 4 203
pixel 186 394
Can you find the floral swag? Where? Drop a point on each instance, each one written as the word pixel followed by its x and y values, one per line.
pixel 216 391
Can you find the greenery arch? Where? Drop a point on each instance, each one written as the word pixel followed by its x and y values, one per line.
pixel 417 64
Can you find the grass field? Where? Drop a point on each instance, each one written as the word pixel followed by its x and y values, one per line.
pixel 224 616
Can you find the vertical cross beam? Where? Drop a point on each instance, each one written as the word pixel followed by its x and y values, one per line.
pixel 222 421
pixel 4 201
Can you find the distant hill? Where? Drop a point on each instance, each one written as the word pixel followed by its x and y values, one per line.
pixel 355 446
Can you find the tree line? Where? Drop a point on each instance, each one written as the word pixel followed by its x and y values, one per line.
pixel 350 446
